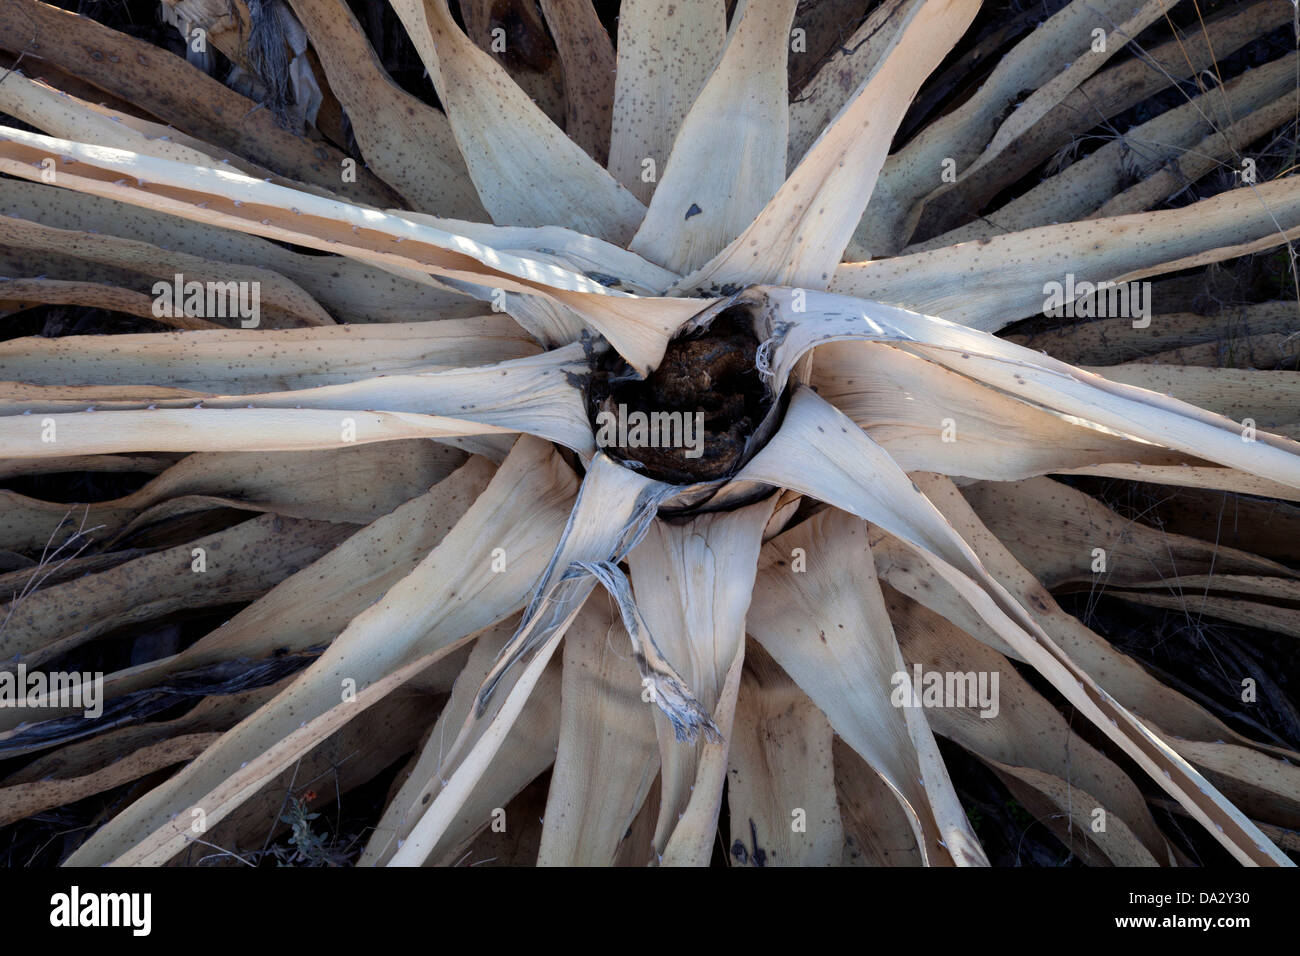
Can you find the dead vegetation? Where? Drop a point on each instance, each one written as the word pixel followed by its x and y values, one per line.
pixel 396 652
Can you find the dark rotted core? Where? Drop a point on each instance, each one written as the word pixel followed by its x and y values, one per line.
pixel 711 372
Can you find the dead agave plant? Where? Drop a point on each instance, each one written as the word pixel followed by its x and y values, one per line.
pixel 437 512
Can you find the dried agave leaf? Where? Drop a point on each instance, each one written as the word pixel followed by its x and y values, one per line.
pixel 781 775
pixel 991 284
pixel 350 291
pixel 693 586
pixel 610 515
pixel 1152 417
pixel 1185 476
pixel 85 767
pixel 1117 840
pixel 729 156
pixel 1051 61
pixel 290 617
pixel 877 830
pixel 1148 415
pixel 24 293
pixel 638 848
pixel 854 59
pixel 860 477
pixel 432 831
pixel 1031 519
pixel 1190 596
pixel 285 303
pixel 531 395
pixel 1017 513
pixel 1266 528
pixel 1175 148
pixel 1260 784
pixel 802 319
pixel 664 58
pixel 219 362
pixel 519 846
pixel 931 419
pixel 241 564
pixel 638 328
pixel 1099 98
pixel 148 76
pixel 341 484
pixel 1266 397
pixel 21 800
pixel 232 430
pixel 587 58
pixel 799 236
pixel 1228 338
pixel 145 464
pixel 351 756
pixel 1119 674
pixel 63 115
pixel 604 262
pixel 406 143
pixel 528 750
pixel 691 841
pixel 528 173
pixel 606 734
pixel 451 595
pixel 835 641
pixel 1026 733
pixel 529 58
